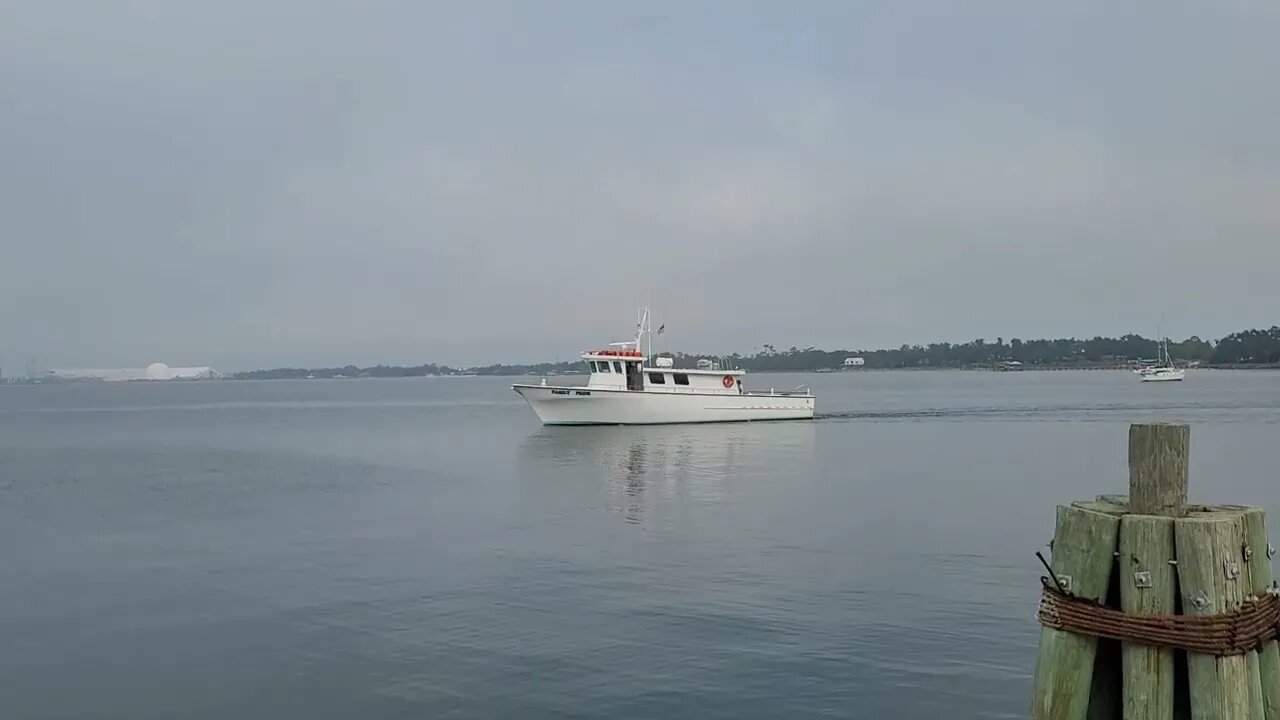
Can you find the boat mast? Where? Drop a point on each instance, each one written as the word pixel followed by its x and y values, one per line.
pixel 648 302
pixel 1164 343
pixel 642 328
pixel 648 351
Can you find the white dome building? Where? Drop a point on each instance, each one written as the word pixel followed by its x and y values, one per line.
pixel 159 371
pixel 154 371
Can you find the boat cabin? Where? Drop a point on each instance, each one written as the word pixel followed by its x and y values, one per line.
pixel 627 370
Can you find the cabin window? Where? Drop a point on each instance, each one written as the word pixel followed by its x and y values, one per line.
pixel 604 366
pixel 592 365
pixel 617 367
pixel 657 378
pixel 681 378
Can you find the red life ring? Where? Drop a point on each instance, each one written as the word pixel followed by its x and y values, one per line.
pixel 727 382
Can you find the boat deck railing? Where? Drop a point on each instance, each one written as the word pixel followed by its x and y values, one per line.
pixel 802 390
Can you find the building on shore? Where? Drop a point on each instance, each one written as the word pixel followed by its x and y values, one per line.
pixel 154 371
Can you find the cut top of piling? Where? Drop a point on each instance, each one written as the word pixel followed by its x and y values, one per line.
pixel 1158 468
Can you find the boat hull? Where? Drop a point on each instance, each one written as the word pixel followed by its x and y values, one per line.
pixel 555 405
pixel 1163 375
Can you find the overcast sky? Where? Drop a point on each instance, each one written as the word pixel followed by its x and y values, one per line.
pixel 247 184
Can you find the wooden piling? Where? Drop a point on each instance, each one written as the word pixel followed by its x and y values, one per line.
pixel 1083 553
pixel 1151 553
pixel 1148 585
pixel 1257 556
pixel 1209 574
pixel 1158 476
pixel 1104 504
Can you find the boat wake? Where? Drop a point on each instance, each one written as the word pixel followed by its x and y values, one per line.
pixel 1050 412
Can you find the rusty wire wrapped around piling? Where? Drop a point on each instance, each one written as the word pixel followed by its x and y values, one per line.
pixel 1230 633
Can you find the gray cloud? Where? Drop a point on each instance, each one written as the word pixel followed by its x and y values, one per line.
pixel 307 183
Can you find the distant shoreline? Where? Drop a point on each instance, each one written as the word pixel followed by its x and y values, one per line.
pixel 1247 349
pixel 858 371
pixel 1244 350
pixel 785 371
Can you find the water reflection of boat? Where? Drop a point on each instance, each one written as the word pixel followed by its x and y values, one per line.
pixel 666 463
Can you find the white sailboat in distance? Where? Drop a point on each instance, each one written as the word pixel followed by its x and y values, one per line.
pixel 1163 371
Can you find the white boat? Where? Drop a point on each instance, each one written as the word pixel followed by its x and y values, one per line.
pixel 1163 374
pixel 1164 371
pixel 626 389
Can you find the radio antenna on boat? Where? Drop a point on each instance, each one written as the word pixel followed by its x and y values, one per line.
pixel 648 303
pixel 641 329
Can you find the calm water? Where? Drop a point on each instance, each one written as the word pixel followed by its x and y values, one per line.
pixel 424 549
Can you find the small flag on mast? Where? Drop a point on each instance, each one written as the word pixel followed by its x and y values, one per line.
pixel 662 327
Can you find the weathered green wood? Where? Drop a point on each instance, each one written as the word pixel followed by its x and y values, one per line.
pixel 1084 545
pixel 1102 506
pixel 1254 671
pixel 1148 586
pixel 1122 500
pixel 1258 566
pixel 1211 581
pixel 1158 468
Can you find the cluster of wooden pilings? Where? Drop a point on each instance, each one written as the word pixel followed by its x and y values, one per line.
pixel 1150 553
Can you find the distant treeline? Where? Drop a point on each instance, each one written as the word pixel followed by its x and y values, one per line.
pixel 1249 347
pixel 348 371
pixel 1245 348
